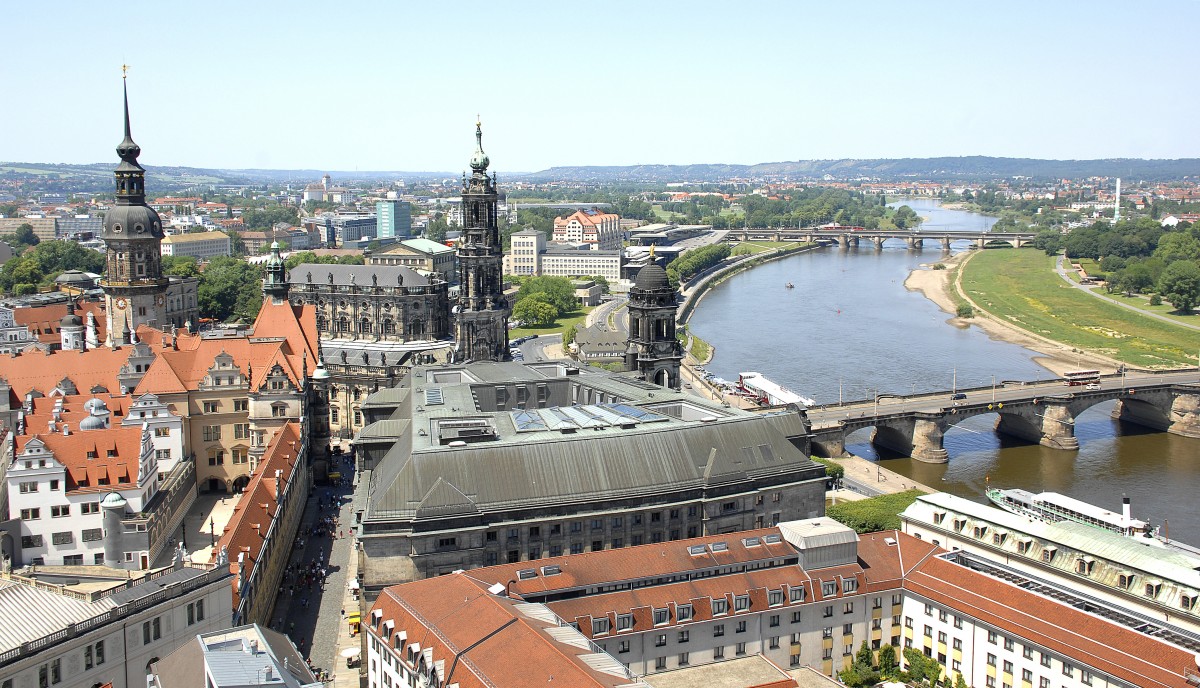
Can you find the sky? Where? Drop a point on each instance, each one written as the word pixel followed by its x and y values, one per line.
pixel 397 85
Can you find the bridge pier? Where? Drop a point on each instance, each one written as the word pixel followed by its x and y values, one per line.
pixel 914 243
pixel 918 437
pixel 1058 428
pixel 1185 416
pixel 878 241
pixel 981 243
pixel 945 243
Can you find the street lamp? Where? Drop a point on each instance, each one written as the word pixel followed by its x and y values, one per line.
pixel 954 381
pixel 212 531
pixel 993 389
pixel 183 532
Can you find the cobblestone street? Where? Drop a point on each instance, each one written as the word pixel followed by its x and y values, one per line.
pixel 312 614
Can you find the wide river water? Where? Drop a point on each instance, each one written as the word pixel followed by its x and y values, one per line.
pixel 850 328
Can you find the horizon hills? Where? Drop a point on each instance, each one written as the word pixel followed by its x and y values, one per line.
pixel 946 168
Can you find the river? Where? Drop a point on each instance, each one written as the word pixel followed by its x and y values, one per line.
pixel 850 329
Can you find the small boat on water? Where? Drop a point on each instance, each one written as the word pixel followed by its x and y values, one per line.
pixel 1053 507
pixel 789 285
pixel 767 393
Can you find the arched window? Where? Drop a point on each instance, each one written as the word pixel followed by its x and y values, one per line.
pixel 364 326
pixel 389 326
pixel 322 322
pixel 343 324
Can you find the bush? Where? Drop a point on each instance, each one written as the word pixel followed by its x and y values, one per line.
pixel 939 266
pixel 832 469
pixel 964 310
pixel 1156 300
pixel 875 513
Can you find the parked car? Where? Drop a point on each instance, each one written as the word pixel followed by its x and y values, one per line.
pixel 958 395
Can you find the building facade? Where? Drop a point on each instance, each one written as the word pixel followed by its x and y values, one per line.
pixel 108 630
pixel 199 245
pixel 419 254
pixel 492 462
pixel 802 594
pixel 596 229
pixel 481 315
pixel 393 219
pixel 86 488
pixel 234 658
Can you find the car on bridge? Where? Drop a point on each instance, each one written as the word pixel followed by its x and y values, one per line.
pixel 958 395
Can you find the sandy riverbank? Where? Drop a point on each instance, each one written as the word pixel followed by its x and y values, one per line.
pixel 936 286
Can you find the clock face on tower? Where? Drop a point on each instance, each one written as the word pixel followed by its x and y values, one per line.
pixel 121 304
pixel 161 300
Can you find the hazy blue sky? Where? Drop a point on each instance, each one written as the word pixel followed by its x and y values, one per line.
pixel 396 86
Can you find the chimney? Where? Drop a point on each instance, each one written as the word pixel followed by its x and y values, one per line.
pixel 278 484
pixel 66 429
pixel 257 528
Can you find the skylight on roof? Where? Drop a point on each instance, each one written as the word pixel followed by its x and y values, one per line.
pixel 771 539
pixel 526 574
pixel 751 542
pixel 433 396
pixel 696 550
pixel 719 547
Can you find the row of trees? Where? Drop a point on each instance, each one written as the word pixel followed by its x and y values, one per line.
pixel 696 260
pixel 1137 256
pixel 37 267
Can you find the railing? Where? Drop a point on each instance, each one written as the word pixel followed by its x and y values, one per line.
pixel 114 614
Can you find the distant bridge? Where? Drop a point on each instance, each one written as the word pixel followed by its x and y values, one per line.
pixel 845 238
pixel 1041 412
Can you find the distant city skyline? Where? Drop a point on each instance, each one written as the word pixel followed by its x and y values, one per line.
pixel 391 86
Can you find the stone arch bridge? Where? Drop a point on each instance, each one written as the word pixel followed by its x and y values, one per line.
pixel 1043 413
pixel 913 240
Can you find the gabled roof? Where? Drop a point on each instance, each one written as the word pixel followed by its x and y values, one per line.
pixel 116 450
pixel 42 371
pixel 477 636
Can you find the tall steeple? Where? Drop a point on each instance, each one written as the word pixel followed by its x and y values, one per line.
pixel 275 284
pixel 481 316
pixel 133 283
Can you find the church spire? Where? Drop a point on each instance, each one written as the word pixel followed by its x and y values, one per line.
pixel 131 177
pixel 479 161
pixel 275 284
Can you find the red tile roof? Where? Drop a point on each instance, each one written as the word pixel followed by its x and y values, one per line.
pixel 258 505
pixel 42 318
pixel 43 371
pixel 116 451
pixel 492 632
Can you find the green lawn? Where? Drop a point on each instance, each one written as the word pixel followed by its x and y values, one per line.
pixel 1142 301
pixel 665 215
pixel 1021 287
pixel 573 318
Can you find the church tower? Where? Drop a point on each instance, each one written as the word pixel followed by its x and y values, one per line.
pixel 653 352
pixel 275 284
pixel 134 286
pixel 481 316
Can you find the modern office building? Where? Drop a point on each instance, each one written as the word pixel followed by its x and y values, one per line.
pixel 199 245
pixel 394 219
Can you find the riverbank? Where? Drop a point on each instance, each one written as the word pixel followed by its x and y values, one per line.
pixel 943 288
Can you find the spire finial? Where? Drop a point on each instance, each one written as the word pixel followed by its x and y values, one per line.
pixel 127 150
pixel 124 71
pixel 479 161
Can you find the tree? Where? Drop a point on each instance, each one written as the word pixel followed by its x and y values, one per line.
pixel 1048 240
pixel 535 310
pixel 436 229
pixel 921 670
pixel 569 335
pixel 1180 284
pixel 230 288
pixel 889 668
pixel 600 279
pixel 25 236
pixel 863 671
pixel 268 216
pixel 181 266
pixel 558 290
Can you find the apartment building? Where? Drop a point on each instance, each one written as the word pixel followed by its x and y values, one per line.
pixel 597 229
pixel 802 594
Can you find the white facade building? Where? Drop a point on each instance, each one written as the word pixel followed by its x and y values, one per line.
pixel 197 244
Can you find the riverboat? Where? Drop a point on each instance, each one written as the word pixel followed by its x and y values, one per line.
pixel 1053 507
pixel 767 393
